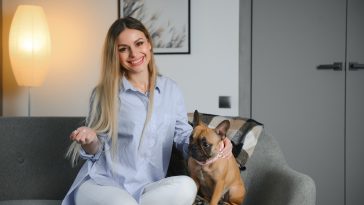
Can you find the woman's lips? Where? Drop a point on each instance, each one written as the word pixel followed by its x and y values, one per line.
pixel 137 61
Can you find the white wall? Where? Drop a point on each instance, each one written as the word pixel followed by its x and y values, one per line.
pixel 78 29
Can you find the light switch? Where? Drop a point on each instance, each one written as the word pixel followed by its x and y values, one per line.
pixel 224 102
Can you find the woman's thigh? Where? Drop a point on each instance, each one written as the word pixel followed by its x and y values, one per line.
pixel 181 190
pixel 90 193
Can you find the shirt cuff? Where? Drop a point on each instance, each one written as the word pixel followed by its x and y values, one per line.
pixel 93 157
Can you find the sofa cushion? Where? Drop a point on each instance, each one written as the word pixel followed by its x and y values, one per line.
pixel 31 202
pixel 243 133
pixel 33 164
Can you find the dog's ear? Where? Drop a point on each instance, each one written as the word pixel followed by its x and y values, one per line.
pixel 196 118
pixel 222 128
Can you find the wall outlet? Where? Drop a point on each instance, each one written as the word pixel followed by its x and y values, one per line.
pixel 224 102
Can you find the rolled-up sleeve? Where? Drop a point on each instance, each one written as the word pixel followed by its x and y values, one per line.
pixel 83 154
pixel 94 157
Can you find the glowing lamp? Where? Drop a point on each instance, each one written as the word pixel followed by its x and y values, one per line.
pixel 29 45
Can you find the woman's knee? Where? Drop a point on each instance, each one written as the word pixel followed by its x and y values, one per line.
pixel 179 189
pixel 90 193
pixel 187 183
pixel 186 188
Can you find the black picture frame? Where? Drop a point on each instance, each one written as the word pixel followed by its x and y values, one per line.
pixel 168 22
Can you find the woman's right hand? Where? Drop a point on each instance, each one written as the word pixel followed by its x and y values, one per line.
pixel 84 135
pixel 87 138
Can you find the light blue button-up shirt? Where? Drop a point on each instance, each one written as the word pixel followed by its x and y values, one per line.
pixel 132 169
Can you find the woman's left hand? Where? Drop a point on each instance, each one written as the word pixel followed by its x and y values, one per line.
pixel 226 149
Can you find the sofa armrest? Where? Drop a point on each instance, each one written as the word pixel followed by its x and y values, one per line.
pixel 280 186
pixel 302 188
pixel 270 180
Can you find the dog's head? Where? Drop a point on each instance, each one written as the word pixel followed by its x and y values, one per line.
pixel 205 142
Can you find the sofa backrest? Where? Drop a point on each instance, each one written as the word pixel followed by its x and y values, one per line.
pixel 32 157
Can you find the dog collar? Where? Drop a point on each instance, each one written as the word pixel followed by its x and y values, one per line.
pixel 209 161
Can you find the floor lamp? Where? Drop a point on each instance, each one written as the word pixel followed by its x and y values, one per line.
pixel 29 47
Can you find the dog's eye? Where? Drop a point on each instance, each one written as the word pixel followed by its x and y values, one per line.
pixel 204 143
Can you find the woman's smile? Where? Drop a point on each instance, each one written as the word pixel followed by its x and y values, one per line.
pixel 137 62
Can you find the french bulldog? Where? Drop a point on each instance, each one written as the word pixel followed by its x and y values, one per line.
pixel 217 178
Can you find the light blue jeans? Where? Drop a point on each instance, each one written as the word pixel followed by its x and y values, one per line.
pixel 177 190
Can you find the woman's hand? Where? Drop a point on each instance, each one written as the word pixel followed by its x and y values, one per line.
pixel 87 138
pixel 226 148
pixel 83 135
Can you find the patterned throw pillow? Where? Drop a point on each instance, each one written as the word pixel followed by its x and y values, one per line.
pixel 243 133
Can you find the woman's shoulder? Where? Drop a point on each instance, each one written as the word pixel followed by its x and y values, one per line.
pixel 165 81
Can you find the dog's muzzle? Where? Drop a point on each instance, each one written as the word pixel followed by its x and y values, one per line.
pixel 197 153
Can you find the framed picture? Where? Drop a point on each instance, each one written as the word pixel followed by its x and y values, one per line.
pixel 168 22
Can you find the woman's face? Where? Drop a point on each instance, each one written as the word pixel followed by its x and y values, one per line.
pixel 134 50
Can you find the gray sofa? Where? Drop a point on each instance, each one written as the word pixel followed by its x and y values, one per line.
pixel 33 170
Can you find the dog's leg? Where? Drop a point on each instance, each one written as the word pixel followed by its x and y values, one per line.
pixel 219 188
pixel 236 195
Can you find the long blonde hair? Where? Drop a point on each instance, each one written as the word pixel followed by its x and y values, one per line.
pixel 104 106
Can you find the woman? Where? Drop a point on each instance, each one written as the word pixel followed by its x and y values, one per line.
pixel 135 118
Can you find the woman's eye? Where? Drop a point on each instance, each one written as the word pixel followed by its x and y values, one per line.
pixel 140 43
pixel 122 49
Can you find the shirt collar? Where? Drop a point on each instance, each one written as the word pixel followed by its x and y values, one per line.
pixel 126 85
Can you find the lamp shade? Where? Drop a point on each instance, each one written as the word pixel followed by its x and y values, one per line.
pixel 29 45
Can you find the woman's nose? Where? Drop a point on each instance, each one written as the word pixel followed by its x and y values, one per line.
pixel 131 52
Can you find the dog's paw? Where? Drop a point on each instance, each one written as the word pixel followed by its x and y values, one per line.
pixel 200 201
